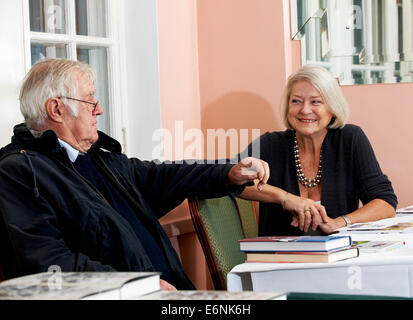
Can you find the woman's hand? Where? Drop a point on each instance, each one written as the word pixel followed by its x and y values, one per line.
pixel 305 212
pixel 332 225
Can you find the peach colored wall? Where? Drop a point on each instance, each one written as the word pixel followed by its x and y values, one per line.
pixel 241 63
pixel 245 57
pixel 179 97
pixel 178 66
pixel 384 112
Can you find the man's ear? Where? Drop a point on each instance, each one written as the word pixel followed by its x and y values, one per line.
pixel 55 109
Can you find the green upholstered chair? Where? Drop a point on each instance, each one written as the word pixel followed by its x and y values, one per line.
pixel 248 216
pixel 219 224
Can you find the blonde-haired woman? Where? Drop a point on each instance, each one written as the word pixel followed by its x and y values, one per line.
pixel 321 167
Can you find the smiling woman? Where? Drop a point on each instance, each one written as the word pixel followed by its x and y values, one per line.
pixel 324 87
pixel 321 167
pixel 308 114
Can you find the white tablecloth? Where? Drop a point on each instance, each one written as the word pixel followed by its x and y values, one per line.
pixel 388 273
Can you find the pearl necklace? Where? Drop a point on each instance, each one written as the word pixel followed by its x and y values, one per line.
pixel 308 183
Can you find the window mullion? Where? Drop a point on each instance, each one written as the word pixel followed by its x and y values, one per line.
pixel 26 28
pixel 71 28
pixel 71 17
pixel 110 12
pixel 59 38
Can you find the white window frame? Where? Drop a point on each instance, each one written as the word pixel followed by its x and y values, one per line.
pixel 115 44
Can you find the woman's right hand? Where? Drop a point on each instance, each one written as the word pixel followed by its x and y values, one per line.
pixel 305 212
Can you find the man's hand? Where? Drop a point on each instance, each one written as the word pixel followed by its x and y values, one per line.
pixel 249 169
pixel 166 286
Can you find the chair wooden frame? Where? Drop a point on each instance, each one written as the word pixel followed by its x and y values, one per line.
pixel 203 238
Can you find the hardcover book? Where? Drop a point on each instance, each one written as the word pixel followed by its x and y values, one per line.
pixel 295 243
pixel 80 286
pixel 323 257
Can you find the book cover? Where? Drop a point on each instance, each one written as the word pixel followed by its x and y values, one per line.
pixel 80 286
pixel 378 246
pixel 295 243
pixel 405 210
pixel 303 257
pixel 381 227
pixel 212 295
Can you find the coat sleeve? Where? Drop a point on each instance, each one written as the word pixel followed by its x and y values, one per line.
pixel 34 239
pixel 370 180
pixel 166 185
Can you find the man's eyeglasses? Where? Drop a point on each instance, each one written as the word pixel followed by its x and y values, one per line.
pixel 94 104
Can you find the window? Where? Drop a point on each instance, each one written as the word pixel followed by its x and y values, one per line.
pixel 83 30
pixel 359 41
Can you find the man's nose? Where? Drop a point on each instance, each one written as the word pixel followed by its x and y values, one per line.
pixel 99 110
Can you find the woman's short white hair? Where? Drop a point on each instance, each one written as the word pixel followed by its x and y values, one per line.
pixel 47 79
pixel 322 80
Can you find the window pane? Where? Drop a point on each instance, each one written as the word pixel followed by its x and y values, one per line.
pixel 47 16
pixel 91 18
pixel 96 57
pixel 47 50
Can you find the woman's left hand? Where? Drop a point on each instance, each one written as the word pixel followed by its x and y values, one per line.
pixel 306 212
pixel 330 227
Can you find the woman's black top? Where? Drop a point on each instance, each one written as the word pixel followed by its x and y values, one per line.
pixel 350 173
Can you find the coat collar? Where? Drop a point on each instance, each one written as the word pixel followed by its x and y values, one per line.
pixel 48 141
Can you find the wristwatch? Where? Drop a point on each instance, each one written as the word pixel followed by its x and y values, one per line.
pixel 347 220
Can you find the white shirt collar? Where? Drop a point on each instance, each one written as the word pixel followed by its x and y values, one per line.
pixel 71 152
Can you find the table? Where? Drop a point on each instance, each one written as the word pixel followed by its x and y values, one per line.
pixel 385 274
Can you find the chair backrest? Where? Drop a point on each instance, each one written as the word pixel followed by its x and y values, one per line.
pixel 219 224
pixel 249 217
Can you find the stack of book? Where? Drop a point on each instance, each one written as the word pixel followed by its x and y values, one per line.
pixel 298 249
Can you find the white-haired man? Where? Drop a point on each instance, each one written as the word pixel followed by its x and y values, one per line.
pixel 69 197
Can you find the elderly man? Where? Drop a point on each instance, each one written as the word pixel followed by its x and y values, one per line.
pixel 69 198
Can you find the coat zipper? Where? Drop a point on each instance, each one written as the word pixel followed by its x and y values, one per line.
pixel 86 181
pixel 101 163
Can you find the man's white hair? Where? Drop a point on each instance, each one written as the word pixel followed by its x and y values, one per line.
pixel 47 79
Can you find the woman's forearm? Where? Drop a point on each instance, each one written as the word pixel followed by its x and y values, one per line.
pixel 269 194
pixel 376 209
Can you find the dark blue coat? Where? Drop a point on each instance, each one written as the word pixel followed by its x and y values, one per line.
pixel 51 215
